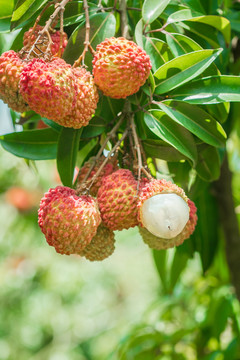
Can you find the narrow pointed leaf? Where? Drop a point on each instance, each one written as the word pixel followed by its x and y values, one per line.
pixel 184 68
pixel 161 150
pixel 181 15
pixel 210 90
pixel 167 129
pixel 208 166
pixel 160 260
pixel 24 10
pixel 32 144
pixel 152 9
pixel 158 51
pixel 181 44
pixel 196 120
pixel 67 154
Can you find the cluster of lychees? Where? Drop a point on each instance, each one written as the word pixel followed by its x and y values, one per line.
pixel 65 94
pixel 85 224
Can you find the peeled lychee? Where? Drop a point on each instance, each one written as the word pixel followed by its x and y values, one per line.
pixel 117 199
pixel 48 88
pixel 30 37
pixel 158 243
pixel 86 100
pixel 120 67
pixel 69 222
pixel 108 169
pixel 101 245
pixel 10 69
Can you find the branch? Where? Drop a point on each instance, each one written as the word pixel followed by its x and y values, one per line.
pixel 229 221
pixel 124 19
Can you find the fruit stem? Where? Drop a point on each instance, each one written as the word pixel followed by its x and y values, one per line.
pixel 108 137
pixel 59 7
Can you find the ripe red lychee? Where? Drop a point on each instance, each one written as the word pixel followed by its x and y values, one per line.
pixel 120 67
pixel 108 169
pixel 10 69
pixel 48 88
pixel 69 222
pixel 158 243
pixel 31 35
pixel 117 199
pixel 101 245
pixel 86 100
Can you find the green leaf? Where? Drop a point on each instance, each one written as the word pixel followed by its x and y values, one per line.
pixel 67 154
pixel 178 265
pixel 102 26
pixel 24 10
pixel 204 31
pixel 184 68
pixel 181 44
pixel 138 34
pixel 182 15
pixel 208 166
pixel 161 150
pixel 218 22
pixel 6 8
pixel 74 12
pixel 152 9
pixel 5 24
pixel 205 237
pixel 196 120
pixel 158 52
pixel 95 127
pixel 32 144
pixel 160 260
pixel 167 129
pixel 195 5
pixel 210 90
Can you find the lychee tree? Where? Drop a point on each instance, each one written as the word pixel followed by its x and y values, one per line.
pixel 128 91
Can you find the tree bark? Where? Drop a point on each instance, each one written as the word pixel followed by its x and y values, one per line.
pixel 229 222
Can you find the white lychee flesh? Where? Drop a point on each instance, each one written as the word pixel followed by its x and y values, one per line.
pixel 165 215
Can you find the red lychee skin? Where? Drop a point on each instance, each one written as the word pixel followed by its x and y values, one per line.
pixel 117 200
pixel 48 88
pixel 157 243
pixel 30 37
pixel 149 188
pixel 120 67
pixel 101 245
pixel 86 100
pixel 69 222
pixel 10 69
pixel 108 169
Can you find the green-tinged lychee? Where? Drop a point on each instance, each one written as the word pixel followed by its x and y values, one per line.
pixel 86 100
pixel 48 88
pixel 101 245
pixel 31 35
pixel 69 222
pixel 108 169
pixel 120 67
pixel 159 243
pixel 10 69
pixel 117 199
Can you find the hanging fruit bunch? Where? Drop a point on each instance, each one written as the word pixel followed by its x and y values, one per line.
pixel 115 189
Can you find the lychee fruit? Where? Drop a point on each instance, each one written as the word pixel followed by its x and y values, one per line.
pixel 164 213
pixel 31 35
pixel 120 67
pixel 158 243
pixel 22 199
pixel 48 88
pixel 69 222
pixel 86 100
pixel 108 169
pixel 117 199
pixel 101 245
pixel 10 69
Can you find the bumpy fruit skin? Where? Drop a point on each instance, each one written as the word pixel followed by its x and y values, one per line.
pixel 48 88
pixel 155 187
pixel 108 169
pixel 120 67
pixel 10 69
pixel 30 37
pixel 117 200
pixel 69 222
pixel 157 243
pixel 86 100
pixel 101 245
